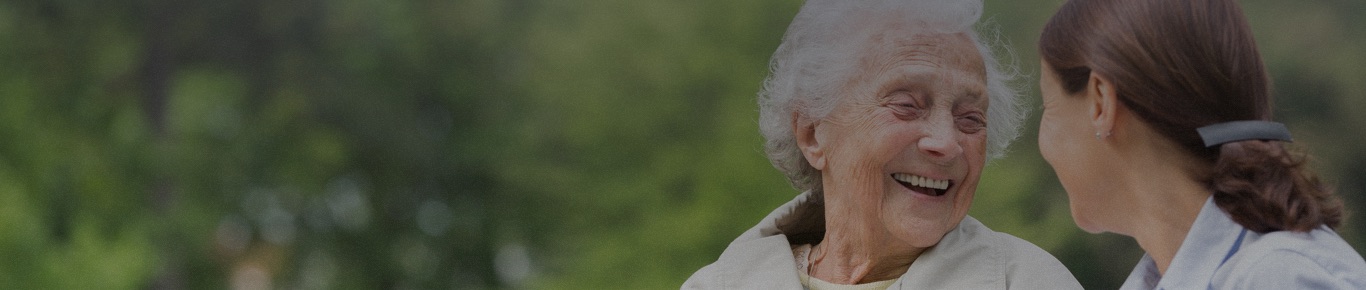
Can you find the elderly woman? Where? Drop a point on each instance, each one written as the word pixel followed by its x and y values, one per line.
pixel 1157 120
pixel 884 112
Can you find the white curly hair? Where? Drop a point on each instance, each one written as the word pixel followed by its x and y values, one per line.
pixel 818 56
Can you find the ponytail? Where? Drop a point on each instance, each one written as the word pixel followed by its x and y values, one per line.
pixel 1266 187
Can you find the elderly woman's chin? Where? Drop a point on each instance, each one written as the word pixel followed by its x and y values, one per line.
pixel 921 218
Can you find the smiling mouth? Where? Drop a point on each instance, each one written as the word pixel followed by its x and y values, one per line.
pixel 931 187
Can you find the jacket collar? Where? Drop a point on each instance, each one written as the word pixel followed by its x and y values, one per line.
pixel 963 259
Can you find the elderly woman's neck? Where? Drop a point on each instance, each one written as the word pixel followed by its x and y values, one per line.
pixel 868 255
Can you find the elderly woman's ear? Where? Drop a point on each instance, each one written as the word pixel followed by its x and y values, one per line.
pixel 805 130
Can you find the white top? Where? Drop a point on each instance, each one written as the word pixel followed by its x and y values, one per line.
pixel 1221 254
pixel 970 256
pixel 803 255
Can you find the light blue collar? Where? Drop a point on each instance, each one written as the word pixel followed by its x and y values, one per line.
pixel 1212 240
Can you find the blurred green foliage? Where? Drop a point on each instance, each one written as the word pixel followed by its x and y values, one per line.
pixel 362 144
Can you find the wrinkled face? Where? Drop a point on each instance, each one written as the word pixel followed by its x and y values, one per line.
pixel 1067 142
pixel 906 143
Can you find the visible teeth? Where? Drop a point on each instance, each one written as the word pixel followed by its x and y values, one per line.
pixel 921 181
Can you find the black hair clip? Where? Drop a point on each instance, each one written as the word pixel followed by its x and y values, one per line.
pixel 1218 134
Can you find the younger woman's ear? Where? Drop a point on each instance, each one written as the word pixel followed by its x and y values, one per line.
pixel 805 131
pixel 1104 103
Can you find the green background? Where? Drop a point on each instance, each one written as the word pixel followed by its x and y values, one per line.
pixel 502 144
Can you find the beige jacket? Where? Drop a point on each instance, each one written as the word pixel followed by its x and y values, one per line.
pixel 970 256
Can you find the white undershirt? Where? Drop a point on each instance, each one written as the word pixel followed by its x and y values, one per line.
pixel 802 253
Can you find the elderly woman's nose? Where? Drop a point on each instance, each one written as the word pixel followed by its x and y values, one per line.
pixel 940 141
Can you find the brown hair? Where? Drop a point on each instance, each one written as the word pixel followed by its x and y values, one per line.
pixel 1181 65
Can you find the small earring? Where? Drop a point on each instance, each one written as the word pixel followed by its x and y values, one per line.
pixel 1102 136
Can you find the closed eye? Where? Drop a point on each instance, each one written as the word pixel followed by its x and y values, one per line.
pixel 905 105
pixel 907 111
pixel 971 123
